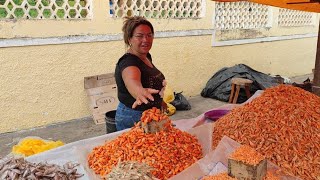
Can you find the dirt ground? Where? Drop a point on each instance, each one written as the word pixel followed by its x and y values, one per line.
pixel 78 129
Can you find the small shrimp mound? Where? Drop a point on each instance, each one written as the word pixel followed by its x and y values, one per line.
pixel 168 151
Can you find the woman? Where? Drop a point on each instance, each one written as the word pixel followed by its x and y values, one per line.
pixel 140 83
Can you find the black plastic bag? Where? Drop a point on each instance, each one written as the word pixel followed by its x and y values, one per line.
pixel 180 102
pixel 219 85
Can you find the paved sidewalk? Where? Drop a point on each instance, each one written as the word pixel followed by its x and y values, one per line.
pixel 84 128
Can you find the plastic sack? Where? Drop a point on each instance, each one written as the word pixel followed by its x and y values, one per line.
pixel 180 102
pixel 167 98
pixel 168 95
pixel 170 110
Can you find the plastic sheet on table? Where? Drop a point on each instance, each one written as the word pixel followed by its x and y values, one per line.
pixel 216 162
pixel 60 158
pixel 185 124
pixel 75 152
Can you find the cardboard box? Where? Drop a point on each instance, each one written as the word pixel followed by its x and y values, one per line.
pixel 102 95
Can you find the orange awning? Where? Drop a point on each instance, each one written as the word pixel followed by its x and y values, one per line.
pixel 302 5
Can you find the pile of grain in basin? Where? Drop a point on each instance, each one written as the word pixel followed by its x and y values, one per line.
pixel 283 124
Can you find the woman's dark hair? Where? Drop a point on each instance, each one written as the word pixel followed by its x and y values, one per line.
pixel 130 24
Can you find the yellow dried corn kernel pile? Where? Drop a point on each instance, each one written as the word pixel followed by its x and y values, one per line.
pixel 31 146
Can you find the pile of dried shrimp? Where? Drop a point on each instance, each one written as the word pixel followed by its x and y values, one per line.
pixel 167 152
pixel 283 124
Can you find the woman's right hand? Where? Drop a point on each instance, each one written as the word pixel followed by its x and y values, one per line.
pixel 144 95
pixel 132 79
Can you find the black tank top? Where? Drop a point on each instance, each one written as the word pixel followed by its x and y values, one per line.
pixel 150 78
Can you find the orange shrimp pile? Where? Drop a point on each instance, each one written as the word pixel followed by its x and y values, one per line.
pixel 153 114
pixel 168 152
pixel 221 176
pixel 283 124
pixel 271 176
pixel 247 155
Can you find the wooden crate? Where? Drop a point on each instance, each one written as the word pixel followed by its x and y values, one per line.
pixel 241 170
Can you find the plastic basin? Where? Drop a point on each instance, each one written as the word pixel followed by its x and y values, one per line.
pixel 215 114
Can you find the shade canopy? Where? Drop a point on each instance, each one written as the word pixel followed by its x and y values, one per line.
pixel 302 5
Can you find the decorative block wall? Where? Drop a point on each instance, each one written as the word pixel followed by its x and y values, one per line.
pixel 288 18
pixel 156 8
pixel 45 9
pixel 240 15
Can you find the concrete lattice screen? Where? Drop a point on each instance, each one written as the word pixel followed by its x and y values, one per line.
pixel 157 8
pixel 249 15
pixel 45 9
pixel 82 9
pixel 289 17
pixel 241 15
